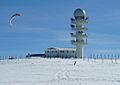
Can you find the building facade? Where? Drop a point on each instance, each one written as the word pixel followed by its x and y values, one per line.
pixel 60 53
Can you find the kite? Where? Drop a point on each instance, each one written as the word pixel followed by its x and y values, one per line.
pixel 13 17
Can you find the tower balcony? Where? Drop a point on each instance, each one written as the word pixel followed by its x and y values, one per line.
pixel 78 21
pixel 79 35
pixel 74 28
pixel 77 42
pixel 72 20
pixel 73 35
pixel 82 35
pixel 73 42
pixel 72 25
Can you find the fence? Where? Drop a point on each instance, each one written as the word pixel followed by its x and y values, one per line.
pixel 102 58
pixel 10 57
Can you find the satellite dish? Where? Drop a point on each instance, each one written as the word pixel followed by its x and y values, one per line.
pixel 80 13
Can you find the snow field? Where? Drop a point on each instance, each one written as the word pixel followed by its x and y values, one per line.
pixel 38 71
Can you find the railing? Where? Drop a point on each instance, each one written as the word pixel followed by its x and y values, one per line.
pixel 79 21
pixel 79 35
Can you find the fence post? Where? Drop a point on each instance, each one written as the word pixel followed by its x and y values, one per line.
pixel 94 58
pixel 102 58
pixel 112 58
pixel 97 56
pixel 115 59
pixel 118 57
pixel 88 59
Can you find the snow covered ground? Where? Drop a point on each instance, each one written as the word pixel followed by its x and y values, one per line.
pixel 39 71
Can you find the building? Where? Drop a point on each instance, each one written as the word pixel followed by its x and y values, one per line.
pixel 35 55
pixel 60 53
pixel 79 35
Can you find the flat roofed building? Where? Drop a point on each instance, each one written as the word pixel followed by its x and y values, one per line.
pixel 61 52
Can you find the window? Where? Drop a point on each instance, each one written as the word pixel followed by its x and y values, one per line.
pixel 67 51
pixel 62 51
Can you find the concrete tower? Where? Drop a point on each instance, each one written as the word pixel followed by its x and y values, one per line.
pixel 79 35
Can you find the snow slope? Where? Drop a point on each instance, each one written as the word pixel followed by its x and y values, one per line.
pixel 39 71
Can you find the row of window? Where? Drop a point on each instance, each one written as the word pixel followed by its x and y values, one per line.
pixel 60 51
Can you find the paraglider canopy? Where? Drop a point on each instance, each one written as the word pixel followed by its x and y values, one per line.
pixel 12 17
pixel 17 14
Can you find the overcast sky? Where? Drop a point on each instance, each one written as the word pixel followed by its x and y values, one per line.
pixel 46 23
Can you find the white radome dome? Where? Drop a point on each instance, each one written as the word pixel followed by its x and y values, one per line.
pixel 79 13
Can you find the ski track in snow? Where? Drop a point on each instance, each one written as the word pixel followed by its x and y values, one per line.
pixel 62 75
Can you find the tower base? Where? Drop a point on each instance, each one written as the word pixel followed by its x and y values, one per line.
pixel 80 52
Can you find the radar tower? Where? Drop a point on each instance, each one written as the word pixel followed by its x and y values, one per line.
pixel 78 25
